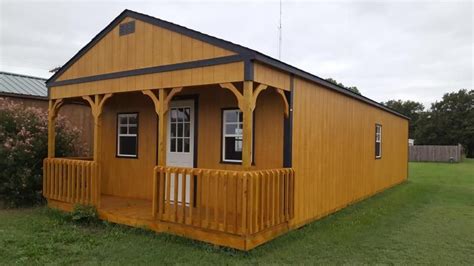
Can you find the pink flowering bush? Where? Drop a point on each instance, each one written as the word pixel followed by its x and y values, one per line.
pixel 23 146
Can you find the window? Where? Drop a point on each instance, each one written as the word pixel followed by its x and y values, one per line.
pixel 378 141
pixel 127 135
pixel 232 135
pixel 180 123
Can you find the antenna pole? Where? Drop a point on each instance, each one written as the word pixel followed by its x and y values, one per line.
pixel 279 36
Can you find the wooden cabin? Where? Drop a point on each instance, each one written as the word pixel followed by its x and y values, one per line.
pixel 207 139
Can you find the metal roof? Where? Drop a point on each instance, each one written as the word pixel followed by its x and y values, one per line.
pixel 22 85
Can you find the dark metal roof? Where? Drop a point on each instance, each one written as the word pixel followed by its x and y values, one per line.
pixel 244 52
pixel 22 85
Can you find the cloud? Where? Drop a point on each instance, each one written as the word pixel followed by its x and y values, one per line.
pixel 392 50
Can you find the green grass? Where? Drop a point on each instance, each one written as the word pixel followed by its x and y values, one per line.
pixel 429 219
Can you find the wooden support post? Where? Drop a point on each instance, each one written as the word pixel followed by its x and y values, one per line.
pixel 53 109
pixel 161 104
pixel 162 110
pixel 97 105
pixel 247 111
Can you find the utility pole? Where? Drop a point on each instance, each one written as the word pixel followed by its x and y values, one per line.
pixel 279 36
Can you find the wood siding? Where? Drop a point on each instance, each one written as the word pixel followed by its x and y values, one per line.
pixel 270 76
pixel 231 72
pixel 148 46
pixel 334 151
pixel 133 177
pixel 128 177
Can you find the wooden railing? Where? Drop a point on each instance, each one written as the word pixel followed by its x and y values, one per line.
pixel 238 202
pixel 70 180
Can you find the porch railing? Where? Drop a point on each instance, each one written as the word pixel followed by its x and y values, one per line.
pixel 70 180
pixel 238 202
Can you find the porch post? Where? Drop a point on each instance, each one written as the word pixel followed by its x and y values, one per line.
pixel 247 133
pixel 162 117
pixel 97 105
pixel 161 104
pixel 53 109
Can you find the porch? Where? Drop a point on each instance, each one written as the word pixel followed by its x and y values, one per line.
pixel 240 209
pixel 176 189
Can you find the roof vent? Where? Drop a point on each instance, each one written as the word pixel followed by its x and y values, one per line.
pixel 127 28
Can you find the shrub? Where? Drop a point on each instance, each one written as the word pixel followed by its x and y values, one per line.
pixel 23 146
pixel 84 214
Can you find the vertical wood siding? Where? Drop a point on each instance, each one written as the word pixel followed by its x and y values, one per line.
pixel 270 76
pixel 334 151
pixel 232 72
pixel 148 46
pixel 134 177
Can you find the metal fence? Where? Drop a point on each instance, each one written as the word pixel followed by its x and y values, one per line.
pixel 435 153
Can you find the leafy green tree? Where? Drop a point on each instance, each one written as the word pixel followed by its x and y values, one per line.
pixel 353 88
pixel 411 109
pixel 449 122
pixel 23 146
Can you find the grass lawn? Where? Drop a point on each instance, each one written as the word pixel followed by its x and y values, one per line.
pixel 429 219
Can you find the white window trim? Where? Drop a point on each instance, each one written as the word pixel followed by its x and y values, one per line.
pixel 119 135
pixel 224 135
pixel 378 139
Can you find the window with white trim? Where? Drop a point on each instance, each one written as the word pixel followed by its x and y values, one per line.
pixel 232 135
pixel 180 136
pixel 127 135
pixel 378 141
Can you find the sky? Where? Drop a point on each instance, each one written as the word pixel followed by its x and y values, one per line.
pixel 409 50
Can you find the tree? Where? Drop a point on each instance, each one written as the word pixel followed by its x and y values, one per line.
pixel 23 146
pixel 353 88
pixel 449 122
pixel 411 109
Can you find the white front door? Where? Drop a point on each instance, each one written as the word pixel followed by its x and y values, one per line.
pixel 180 146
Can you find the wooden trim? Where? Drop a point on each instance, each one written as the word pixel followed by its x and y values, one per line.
pixel 248 70
pixel 288 129
pixel 150 70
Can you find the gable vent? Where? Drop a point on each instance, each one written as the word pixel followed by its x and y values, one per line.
pixel 127 28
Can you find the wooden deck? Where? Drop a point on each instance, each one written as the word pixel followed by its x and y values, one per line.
pixel 138 213
pixel 133 212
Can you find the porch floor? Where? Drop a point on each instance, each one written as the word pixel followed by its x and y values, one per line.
pixel 138 213
pixel 134 212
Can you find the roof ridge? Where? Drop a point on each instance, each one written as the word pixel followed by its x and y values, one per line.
pixel 21 75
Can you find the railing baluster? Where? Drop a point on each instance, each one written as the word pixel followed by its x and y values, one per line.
pixel 225 195
pixel 83 181
pixel 215 194
pixel 90 188
pixel 183 195
pixel 250 198
pixel 243 177
pixel 175 198
pixel 154 202
pixel 168 194
pixel 191 196
pixel 208 190
pixel 68 181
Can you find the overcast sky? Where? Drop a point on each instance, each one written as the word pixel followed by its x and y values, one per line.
pixel 389 50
